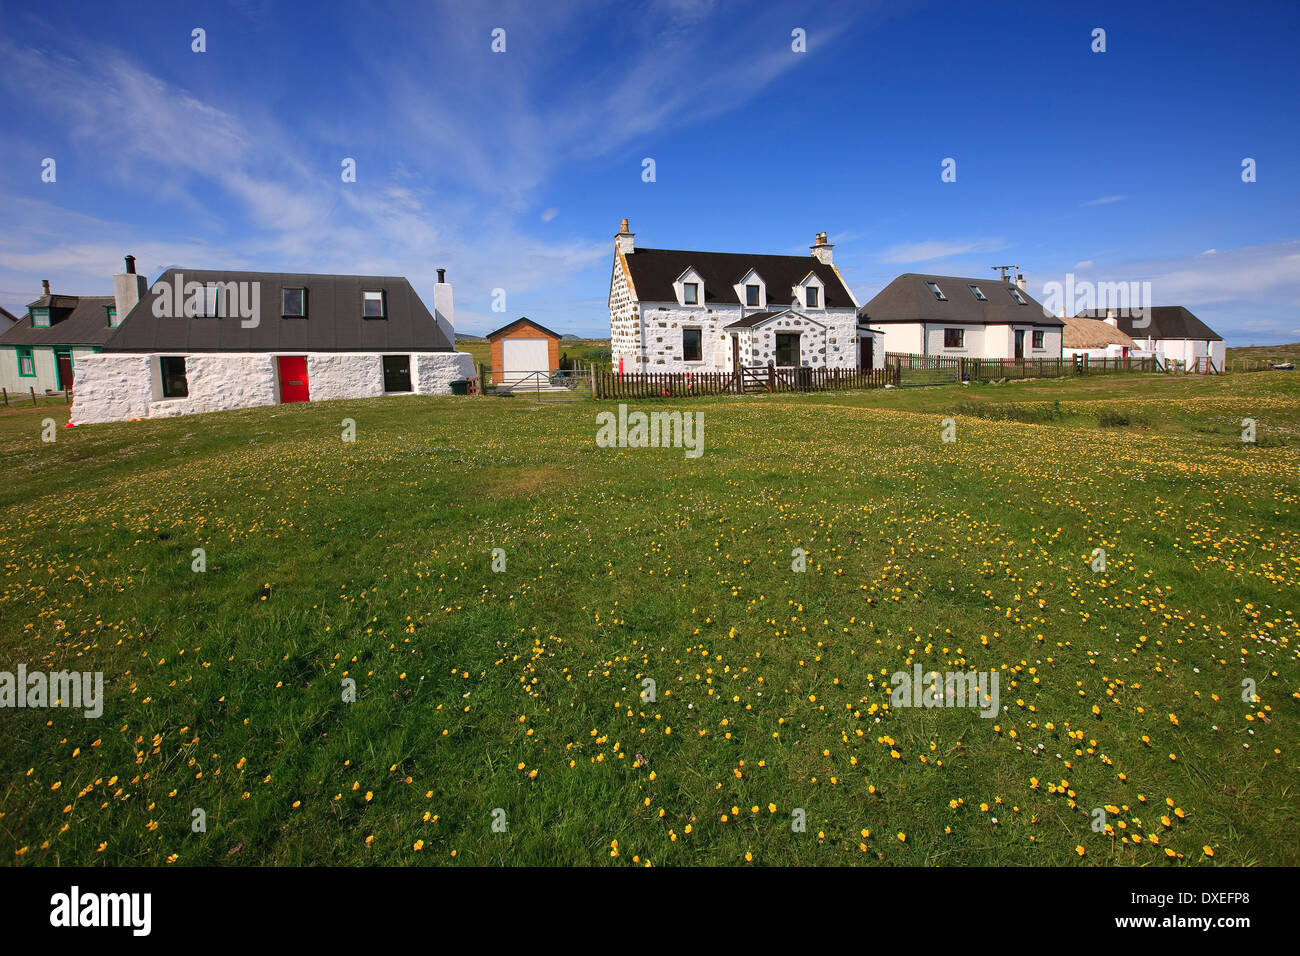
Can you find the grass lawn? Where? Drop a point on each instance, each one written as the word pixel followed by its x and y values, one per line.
pixel 520 689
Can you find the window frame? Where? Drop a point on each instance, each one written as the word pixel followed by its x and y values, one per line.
pixel 44 314
pixel 27 352
pixel 815 292
pixel 1037 338
pixel 211 301
pixel 977 292
pixel 163 376
pixel 1015 294
pixel 961 338
pixel 757 290
pixel 699 343
pixel 383 303
pixel 690 293
pixel 936 291
pixel 776 349
pixel 302 302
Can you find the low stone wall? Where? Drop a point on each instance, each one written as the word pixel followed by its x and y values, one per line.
pixel 114 387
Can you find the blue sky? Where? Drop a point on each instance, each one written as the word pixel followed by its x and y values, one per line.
pixel 513 169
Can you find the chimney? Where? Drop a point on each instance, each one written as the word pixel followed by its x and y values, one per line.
pixel 128 289
pixel 821 249
pixel 45 287
pixel 1111 320
pixel 443 312
pixel 1020 282
pixel 623 242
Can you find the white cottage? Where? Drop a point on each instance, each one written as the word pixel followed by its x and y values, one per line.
pixel 1171 332
pixel 202 341
pixel 963 317
pixel 672 310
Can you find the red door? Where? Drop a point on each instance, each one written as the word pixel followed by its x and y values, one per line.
pixel 293 378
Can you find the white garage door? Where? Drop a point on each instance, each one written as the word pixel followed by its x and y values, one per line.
pixel 522 357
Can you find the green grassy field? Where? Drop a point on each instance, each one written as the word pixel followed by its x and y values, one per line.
pixel 520 689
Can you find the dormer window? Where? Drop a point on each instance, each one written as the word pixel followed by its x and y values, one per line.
pixel 372 305
pixel 753 294
pixel 293 303
pixel 689 288
pixel 810 296
pixel 938 293
pixel 40 318
pixel 1015 294
pixel 691 293
pixel 978 293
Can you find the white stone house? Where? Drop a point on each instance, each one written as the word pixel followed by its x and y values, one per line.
pixel 1171 332
pixel 202 341
pixel 963 317
pixel 673 310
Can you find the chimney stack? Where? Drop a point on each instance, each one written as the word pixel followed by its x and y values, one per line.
pixel 443 310
pixel 45 287
pixel 821 249
pixel 128 289
pixel 624 241
pixel 1020 282
pixel 1111 320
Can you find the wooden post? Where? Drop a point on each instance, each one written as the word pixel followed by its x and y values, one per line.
pixel 67 396
pixel 33 391
pixel 5 392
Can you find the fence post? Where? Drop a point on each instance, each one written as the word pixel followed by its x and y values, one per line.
pixel 32 389
pixel 6 395
pixel 771 376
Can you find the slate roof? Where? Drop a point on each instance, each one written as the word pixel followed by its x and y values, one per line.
pixel 1084 333
pixel 655 270
pixel 523 318
pixel 908 299
pixel 333 322
pixel 1166 322
pixel 74 320
pixel 758 318
pixel 7 316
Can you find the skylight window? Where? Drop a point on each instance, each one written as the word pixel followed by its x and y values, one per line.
pixel 1015 294
pixel 978 293
pixel 938 293
pixel 372 305
pixel 293 303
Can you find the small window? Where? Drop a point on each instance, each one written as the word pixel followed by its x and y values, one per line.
pixel 787 348
pixel 810 296
pixel 978 293
pixel 692 345
pixel 691 293
pixel 1038 339
pixel 1015 294
pixel 397 373
pixel 26 363
pixel 41 318
pixel 954 338
pixel 204 302
pixel 293 303
pixel 751 295
pixel 174 383
pixel 372 305
pixel 938 293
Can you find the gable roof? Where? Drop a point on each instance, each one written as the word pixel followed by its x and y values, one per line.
pixel 908 299
pixel 333 322
pixel 74 320
pixel 1165 322
pixel 755 319
pixel 520 321
pixel 1083 333
pixel 655 270
pixel 7 316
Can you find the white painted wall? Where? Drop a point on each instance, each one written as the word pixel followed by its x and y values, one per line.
pixel 114 387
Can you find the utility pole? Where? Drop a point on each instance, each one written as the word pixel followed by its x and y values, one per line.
pixel 1003 270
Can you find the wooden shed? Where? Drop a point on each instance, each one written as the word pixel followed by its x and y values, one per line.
pixel 523 351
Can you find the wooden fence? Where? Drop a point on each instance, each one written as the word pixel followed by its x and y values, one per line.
pixel 937 369
pixel 754 379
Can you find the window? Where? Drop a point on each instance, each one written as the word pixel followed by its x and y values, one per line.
pixel 1015 294
pixel 691 293
pixel 293 303
pixel 979 294
pixel 692 345
pixel 26 363
pixel 1038 339
pixel 174 383
pixel 41 318
pixel 938 293
pixel 954 338
pixel 751 295
pixel 372 305
pixel 204 301
pixel 787 348
pixel 810 296
pixel 397 373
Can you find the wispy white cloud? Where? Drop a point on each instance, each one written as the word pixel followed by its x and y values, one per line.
pixel 1104 200
pixel 938 249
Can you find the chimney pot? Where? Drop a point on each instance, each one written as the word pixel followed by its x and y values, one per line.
pixel 130 265
pixel 623 226
pixel 442 275
pixel 45 287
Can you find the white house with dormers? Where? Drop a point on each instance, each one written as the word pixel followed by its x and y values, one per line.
pixel 672 310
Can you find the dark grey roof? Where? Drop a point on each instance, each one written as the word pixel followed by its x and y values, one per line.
pixel 523 318
pixel 753 319
pixel 333 322
pixel 1166 322
pixel 74 320
pixel 7 316
pixel 655 270
pixel 909 299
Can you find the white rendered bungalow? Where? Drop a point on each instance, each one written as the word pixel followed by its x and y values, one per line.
pixel 203 341
pixel 672 310
pixel 1171 332
pixel 1099 339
